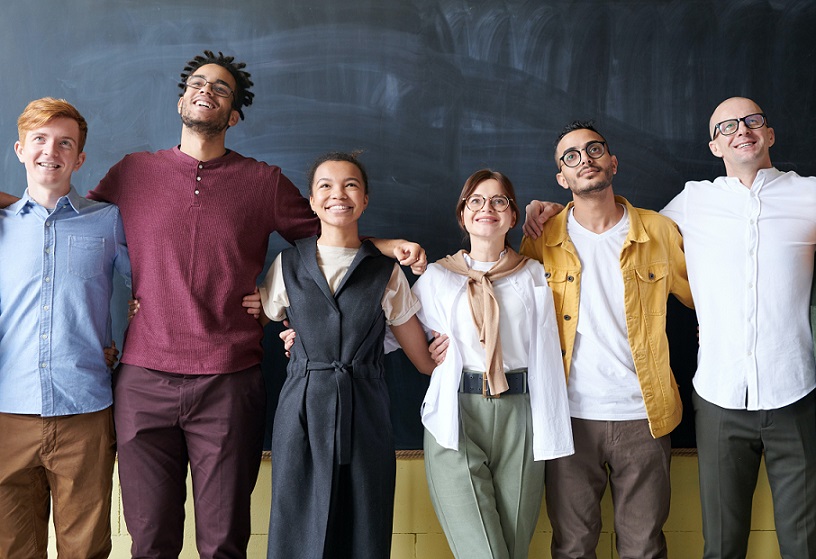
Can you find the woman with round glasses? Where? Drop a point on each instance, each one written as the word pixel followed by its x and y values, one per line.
pixel 496 407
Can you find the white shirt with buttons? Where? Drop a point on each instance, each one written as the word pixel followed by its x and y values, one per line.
pixel 750 254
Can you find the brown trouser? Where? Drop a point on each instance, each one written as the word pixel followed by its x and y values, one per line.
pixel 69 459
pixel 636 467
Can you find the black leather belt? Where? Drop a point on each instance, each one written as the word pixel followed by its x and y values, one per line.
pixel 475 383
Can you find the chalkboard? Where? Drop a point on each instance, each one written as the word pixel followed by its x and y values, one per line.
pixel 431 90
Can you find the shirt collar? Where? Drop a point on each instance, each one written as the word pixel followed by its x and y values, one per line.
pixel 763 176
pixel 71 200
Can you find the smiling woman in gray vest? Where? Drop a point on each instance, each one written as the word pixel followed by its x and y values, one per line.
pixel 333 464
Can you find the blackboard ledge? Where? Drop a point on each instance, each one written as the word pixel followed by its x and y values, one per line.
pixel 419 454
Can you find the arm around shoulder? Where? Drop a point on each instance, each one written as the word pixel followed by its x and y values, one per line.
pixel 7 199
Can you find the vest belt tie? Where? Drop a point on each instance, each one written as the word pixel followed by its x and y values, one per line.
pixel 342 429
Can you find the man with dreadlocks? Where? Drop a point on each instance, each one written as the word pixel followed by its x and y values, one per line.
pixel 198 218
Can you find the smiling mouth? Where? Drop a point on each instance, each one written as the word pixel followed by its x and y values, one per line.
pixel 49 165
pixel 205 104
pixel 338 208
pixel 744 145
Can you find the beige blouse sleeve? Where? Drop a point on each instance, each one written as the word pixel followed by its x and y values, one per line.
pixel 399 303
pixel 274 298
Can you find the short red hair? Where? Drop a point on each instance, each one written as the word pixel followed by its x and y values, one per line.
pixel 42 111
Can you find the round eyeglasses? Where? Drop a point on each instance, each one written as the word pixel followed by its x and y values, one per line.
pixel 730 126
pixel 476 202
pixel 594 150
pixel 198 82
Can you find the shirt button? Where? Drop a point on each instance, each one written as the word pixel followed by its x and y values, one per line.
pixel 45 307
pixel 196 192
pixel 750 286
pixel 47 279
pixel 43 365
pixel 198 179
pixel 200 166
pixel 48 224
pixel 45 336
pixel 47 251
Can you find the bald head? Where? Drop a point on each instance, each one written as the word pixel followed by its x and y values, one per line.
pixel 735 107
pixel 741 137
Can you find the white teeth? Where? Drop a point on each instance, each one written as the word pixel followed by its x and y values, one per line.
pixel 338 208
pixel 203 104
pixel 49 165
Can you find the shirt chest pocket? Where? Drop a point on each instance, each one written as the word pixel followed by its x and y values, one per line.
pixel 653 287
pixel 561 281
pixel 86 256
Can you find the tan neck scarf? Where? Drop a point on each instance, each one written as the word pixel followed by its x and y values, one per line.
pixel 485 309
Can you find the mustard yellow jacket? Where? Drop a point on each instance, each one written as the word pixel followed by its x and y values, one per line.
pixel 653 265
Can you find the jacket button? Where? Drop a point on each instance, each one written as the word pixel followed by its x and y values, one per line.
pixel 567 317
pixel 651 275
pixel 547 275
pixel 570 278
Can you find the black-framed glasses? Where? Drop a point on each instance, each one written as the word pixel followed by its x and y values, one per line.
pixel 476 202
pixel 199 82
pixel 730 126
pixel 594 150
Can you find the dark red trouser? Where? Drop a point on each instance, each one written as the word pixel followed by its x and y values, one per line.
pixel 213 422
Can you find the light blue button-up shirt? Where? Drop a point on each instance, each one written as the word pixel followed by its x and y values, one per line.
pixel 56 281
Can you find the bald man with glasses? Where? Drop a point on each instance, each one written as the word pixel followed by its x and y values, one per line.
pixel 750 239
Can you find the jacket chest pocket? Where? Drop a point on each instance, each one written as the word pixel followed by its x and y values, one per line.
pixel 653 287
pixel 561 282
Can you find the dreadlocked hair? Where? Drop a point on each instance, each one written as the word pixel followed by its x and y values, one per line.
pixel 242 97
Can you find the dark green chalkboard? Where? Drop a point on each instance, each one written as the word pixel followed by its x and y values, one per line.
pixel 431 90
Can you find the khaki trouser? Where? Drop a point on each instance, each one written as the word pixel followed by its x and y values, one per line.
pixel 67 461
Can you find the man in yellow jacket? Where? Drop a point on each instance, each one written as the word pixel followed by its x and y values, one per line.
pixel 611 268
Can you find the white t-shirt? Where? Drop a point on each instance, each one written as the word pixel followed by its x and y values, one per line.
pixel 515 336
pixel 603 384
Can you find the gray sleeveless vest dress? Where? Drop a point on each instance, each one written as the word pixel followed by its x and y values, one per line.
pixel 333 465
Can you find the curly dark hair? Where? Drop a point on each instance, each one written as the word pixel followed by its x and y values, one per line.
pixel 243 96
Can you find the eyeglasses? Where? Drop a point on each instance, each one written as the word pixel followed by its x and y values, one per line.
pixel 476 202
pixel 730 126
pixel 198 82
pixel 594 150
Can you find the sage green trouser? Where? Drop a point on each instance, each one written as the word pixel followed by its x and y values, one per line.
pixel 487 495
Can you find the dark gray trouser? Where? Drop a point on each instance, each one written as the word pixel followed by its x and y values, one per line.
pixel 730 445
